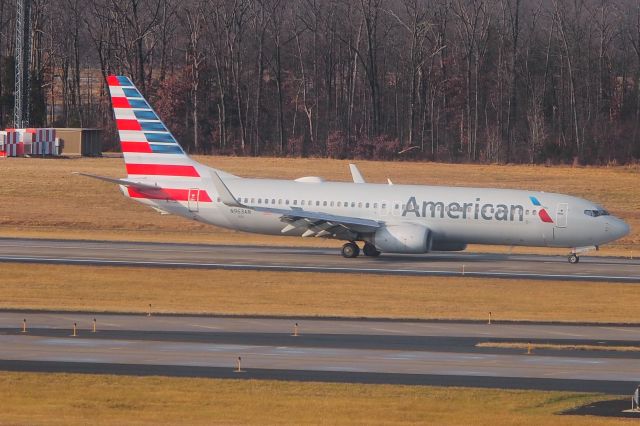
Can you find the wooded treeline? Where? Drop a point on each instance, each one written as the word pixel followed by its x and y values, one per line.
pixel 449 80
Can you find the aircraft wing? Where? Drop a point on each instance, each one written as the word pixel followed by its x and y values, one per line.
pixel 313 223
pixel 322 224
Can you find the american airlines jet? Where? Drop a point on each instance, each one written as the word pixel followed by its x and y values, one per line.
pixel 384 218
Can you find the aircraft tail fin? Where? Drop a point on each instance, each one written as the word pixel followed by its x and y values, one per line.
pixel 149 148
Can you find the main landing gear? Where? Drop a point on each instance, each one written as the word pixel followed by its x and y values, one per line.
pixel 351 250
pixel 574 258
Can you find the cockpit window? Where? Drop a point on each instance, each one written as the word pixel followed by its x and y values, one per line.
pixel 596 213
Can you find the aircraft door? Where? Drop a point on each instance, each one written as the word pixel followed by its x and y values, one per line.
pixel 561 215
pixel 192 199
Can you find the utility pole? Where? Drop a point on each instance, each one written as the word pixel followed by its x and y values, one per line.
pixel 22 92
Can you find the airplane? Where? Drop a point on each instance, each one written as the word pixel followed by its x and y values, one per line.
pixel 385 218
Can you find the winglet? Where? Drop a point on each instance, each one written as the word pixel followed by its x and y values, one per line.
pixel 355 174
pixel 225 195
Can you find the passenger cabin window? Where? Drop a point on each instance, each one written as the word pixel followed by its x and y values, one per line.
pixel 367 205
pixel 295 202
pixel 324 203
pixel 286 202
pixel 332 204
pixel 375 205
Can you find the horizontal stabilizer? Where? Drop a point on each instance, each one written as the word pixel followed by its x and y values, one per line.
pixel 122 182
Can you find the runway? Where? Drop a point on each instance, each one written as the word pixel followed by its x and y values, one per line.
pixel 168 255
pixel 435 353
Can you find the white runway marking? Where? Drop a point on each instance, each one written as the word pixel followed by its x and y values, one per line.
pixel 387 330
pixel 210 327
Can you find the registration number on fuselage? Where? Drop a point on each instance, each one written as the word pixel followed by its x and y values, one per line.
pixel 240 211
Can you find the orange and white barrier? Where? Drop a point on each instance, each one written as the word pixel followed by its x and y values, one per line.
pixel 14 149
pixel 9 142
pixel 30 141
pixel 43 148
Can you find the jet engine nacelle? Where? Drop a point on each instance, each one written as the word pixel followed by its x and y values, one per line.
pixel 407 238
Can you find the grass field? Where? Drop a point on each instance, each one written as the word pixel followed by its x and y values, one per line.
pixel 558 347
pixel 40 197
pixel 309 294
pixel 69 399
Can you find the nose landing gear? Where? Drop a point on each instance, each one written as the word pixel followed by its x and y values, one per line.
pixel 574 255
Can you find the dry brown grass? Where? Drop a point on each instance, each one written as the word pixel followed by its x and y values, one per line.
pixel 557 347
pixel 312 294
pixel 69 399
pixel 40 197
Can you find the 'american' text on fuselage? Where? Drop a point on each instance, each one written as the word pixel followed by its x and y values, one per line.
pixel 455 210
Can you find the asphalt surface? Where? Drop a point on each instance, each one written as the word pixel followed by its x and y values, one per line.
pixel 328 350
pixel 103 253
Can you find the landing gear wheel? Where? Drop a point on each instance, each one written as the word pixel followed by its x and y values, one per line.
pixel 350 250
pixel 370 250
pixel 573 258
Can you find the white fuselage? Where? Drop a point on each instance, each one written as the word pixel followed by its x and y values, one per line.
pixel 455 216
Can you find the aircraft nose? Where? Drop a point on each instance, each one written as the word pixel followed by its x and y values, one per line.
pixel 619 228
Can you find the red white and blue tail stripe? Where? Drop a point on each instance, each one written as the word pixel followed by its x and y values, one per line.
pixel 148 146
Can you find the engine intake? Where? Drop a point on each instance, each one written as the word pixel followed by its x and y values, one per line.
pixel 407 238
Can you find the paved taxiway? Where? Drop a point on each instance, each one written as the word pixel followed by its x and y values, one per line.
pixel 315 260
pixel 336 350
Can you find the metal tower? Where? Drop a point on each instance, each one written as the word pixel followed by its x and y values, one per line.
pixel 23 61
